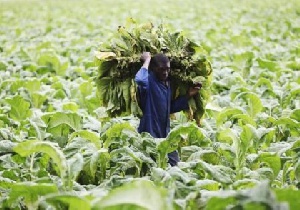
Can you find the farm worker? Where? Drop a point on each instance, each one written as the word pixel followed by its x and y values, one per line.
pixel 155 98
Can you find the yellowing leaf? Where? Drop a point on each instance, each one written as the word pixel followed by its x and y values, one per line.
pixel 104 55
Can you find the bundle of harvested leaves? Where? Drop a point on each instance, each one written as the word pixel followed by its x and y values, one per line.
pixel 119 60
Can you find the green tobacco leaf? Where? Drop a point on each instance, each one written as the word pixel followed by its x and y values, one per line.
pixel 70 106
pixel 32 85
pixel 6 146
pixel 270 65
pixel 254 104
pixel 220 173
pixel 244 184
pixel 226 115
pixel 19 108
pixel 100 158
pixel 52 62
pixel 297 170
pixel 37 99
pixel 30 192
pixel 75 165
pixel 272 160
pixel 264 82
pixel 295 115
pixel 188 134
pixel 6 183
pixel 141 194
pixel 227 136
pixel 290 196
pixel 31 146
pixel 88 135
pixel 73 202
pixel 208 184
pixel 290 123
pixel 86 88
pixel 208 156
pixel 187 151
pixel 3 66
pixel 115 131
pixel 243 119
pixel 245 141
pixel 56 119
pixel 219 203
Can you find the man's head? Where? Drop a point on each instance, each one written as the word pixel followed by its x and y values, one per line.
pixel 160 65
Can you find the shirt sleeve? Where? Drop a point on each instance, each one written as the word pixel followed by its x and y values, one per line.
pixel 141 77
pixel 179 104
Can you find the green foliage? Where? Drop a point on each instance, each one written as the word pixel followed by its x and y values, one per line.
pixel 19 108
pixel 60 148
pixel 140 194
pixel 120 60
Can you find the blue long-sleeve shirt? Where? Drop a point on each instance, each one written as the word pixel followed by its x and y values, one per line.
pixel 156 104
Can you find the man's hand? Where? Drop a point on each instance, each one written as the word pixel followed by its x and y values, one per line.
pixel 145 56
pixel 194 90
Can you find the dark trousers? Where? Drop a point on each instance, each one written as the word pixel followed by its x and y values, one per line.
pixel 173 158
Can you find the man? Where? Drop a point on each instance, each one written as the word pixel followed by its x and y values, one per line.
pixel 155 98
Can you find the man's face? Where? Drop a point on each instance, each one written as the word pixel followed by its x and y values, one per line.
pixel 162 71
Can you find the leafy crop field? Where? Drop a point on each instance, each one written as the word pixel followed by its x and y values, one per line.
pixel 60 150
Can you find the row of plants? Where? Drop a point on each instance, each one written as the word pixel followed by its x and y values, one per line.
pixel 60 150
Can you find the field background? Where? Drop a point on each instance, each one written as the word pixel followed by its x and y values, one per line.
pixel 59 150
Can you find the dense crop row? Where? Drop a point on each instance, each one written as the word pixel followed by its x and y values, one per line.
pixel 60 150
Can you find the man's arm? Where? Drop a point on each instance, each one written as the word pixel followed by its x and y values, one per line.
pixel 141 77
pixel 181 103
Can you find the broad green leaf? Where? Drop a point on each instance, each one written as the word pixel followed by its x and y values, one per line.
pixel 73 202
pixel 208 184
pixel 30 192
pixel 295 115
pixel 290 123
pixel 6 183
pixel 75 165
pixel 56 119
pixel 32 146
pixel 254 104
pixel 293 95
pixel 245 141
pixel 38 99
pixel 3 66
pixel 88 135
pixel 208 156
pixel 219 203
pixel 297 170
pixel 187 151
pixel 99 159
pixel 245 184
pixel 115 132
pixel 243 119
pixel 227 136
pixel 182 176
pixel 19 108
pixel 187 134
pixel 52 62
pixel 70 106
pixel 142 194
pixel 220 173
pixel 6 146
pixel 227 114
pixel 264 82
pixel 267 64
pixel 272 160
pixel 32 85
pixel 86 88
pixel 290 196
